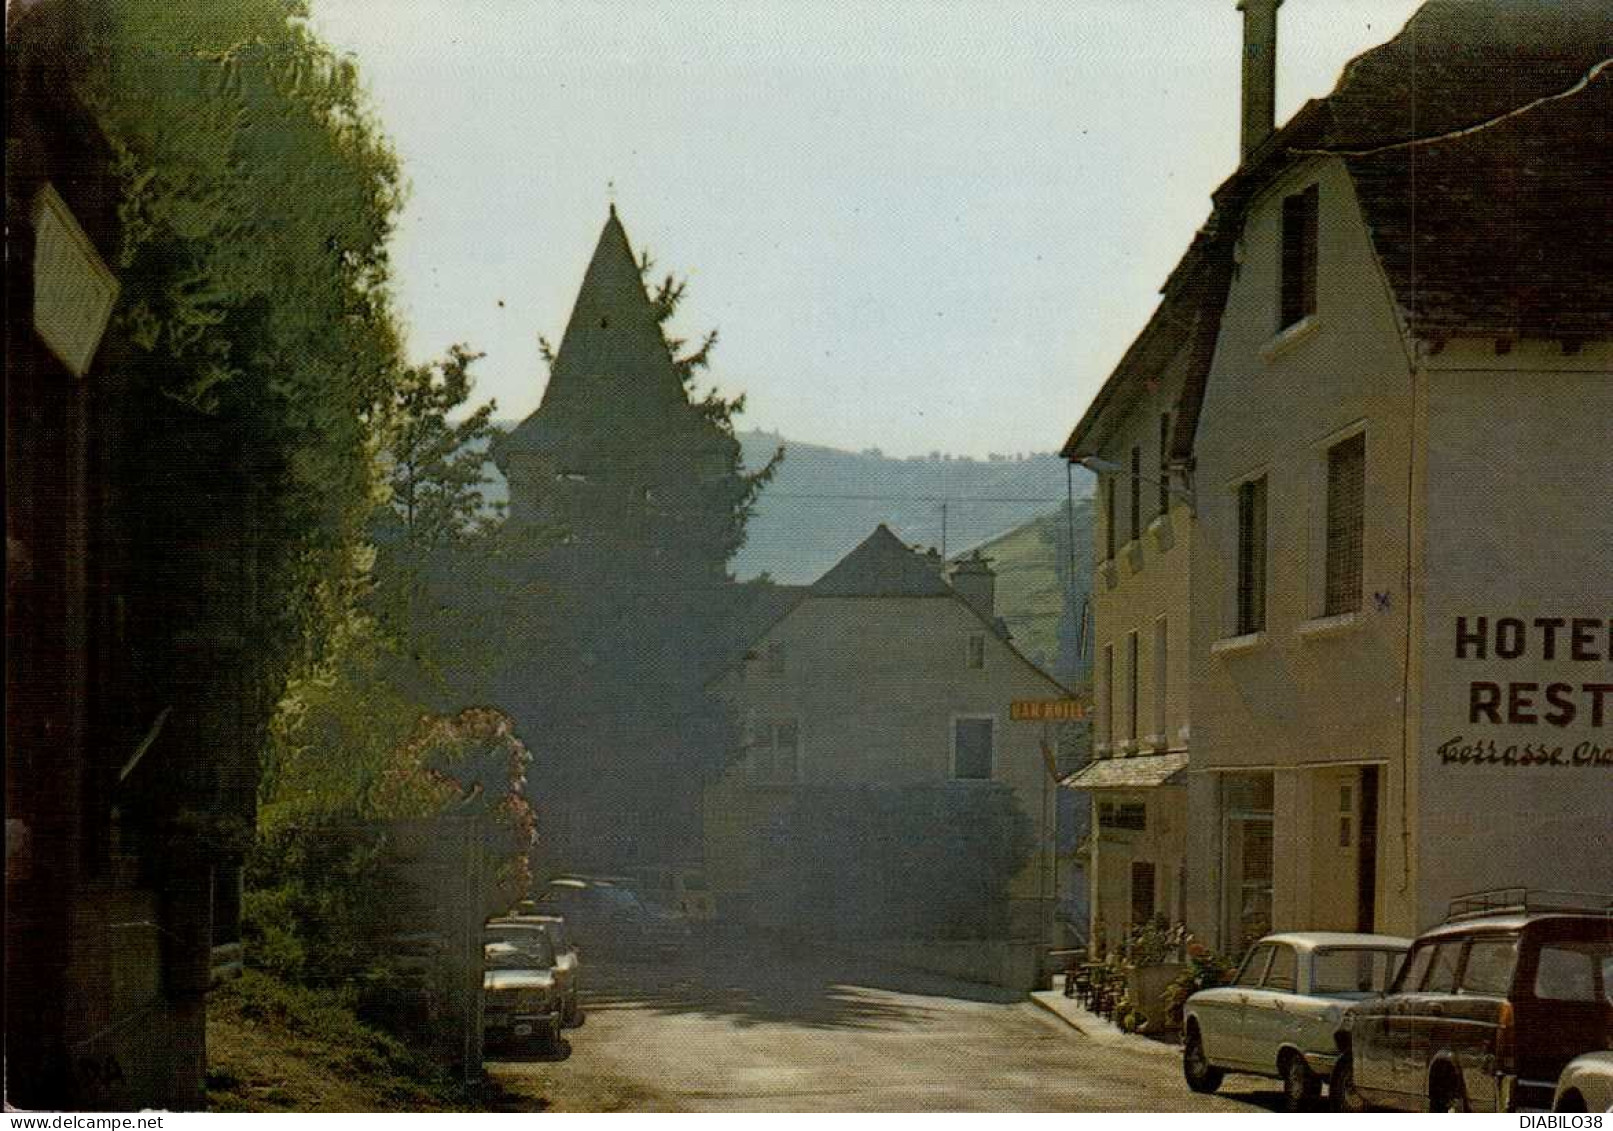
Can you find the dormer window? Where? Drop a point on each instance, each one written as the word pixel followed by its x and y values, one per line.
pixel 1297 300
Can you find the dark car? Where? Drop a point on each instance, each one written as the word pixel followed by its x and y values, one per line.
pixel 1487 1009
pixel 610 919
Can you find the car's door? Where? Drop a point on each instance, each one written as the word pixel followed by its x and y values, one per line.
pixel 1270 1013
pixel 1378 1030
pixel 1229 1043
pixel 1422 1022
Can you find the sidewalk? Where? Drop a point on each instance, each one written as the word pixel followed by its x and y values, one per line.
pixel 1093 1027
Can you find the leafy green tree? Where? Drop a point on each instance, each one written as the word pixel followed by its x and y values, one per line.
pixel 436 468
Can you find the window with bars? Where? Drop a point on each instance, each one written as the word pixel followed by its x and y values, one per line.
pixel 1346 489
pixel 1164 463
pixel 1298 275
pixel 1131 816
pixel 1131 685
pixel 1136 493
pixel 1251 556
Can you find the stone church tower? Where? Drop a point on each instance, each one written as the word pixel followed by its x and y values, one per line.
pixel 615 454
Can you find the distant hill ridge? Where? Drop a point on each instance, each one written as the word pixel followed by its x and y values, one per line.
pixel 826 500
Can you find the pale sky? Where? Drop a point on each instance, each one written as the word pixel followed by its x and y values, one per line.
pixel 918 225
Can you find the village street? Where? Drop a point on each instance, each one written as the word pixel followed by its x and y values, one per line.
pixel 739 1028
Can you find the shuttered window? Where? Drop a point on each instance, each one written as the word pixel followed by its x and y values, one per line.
pixel 1346 487
pixel 1252 556
pixel 1164 462
pixel 1109 519
pixel 1136 493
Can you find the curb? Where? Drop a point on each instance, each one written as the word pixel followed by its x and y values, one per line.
pixel 1042 1003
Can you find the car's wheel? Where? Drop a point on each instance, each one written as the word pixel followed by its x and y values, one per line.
pixel 1448 1094
pixel 1571 1102
pixel 1341 1089
pixel 577 1016
pixel 1201 1075
pixel 1301 1086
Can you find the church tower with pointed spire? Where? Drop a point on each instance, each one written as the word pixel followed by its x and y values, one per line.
pixel 616 450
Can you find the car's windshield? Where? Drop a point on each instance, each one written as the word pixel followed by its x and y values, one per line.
pixel 1353 970
pixel 518 950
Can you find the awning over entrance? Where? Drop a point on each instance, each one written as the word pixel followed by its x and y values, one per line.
pixel 1136 772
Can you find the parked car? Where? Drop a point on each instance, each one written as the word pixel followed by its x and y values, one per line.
pixel 1586 1084
pixel 521 998
pixel 1281 1014
pixel 567 962
pixel 1488 1009
pixel 682 890
pixel 612 918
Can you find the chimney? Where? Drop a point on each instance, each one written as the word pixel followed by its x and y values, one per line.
pixel 974 580
pixel 1259 71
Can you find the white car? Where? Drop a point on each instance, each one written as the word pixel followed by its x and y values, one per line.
pixel 1280 1015
pixel 1586 1084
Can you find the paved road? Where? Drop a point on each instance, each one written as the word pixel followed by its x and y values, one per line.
pixel 744 1029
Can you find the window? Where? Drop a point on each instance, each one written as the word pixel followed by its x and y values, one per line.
pixel 977 651
pixel 1569 972
pixel 775 659
pixel 1346 815
pixel 1164 463
pixel 1298 296
pixel 1488 970
pixel 776 752
pixel 1129 815
pixel 971 748
pixel 1253 971
pixel 1346 487
pixel 1142 891
pixel 1131 685
pixel 1284 973
pixel 1109 693
pixel 1136 493
pixel 1442 971
pixel 1109 519
pixel 1415 970
pixel 1352 971
pixel 1161 656
pixel 1251 556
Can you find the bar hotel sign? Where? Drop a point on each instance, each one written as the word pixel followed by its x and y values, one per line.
pixel 1545 720
pixel 1046 710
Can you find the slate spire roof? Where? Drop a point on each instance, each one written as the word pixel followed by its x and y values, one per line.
pixel 883 566
pixel 613 382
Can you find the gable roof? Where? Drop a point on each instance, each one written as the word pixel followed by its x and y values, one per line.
pixel 883 566
pixel 1477 140
pixel 613 382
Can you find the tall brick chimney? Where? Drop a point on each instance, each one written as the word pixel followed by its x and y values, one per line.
pixel 1259 71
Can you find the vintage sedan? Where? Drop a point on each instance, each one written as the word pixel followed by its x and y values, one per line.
pixel 521 999
pixel 1586 1084
pixel 1281 1014
pixel 567 959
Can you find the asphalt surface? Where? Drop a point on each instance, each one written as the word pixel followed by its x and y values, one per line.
pixel 740 1027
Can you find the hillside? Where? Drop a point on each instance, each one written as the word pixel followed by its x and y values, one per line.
pixel 824 501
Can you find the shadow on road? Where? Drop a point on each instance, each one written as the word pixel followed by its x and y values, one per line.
pixel 755 981
pixel 529 1054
